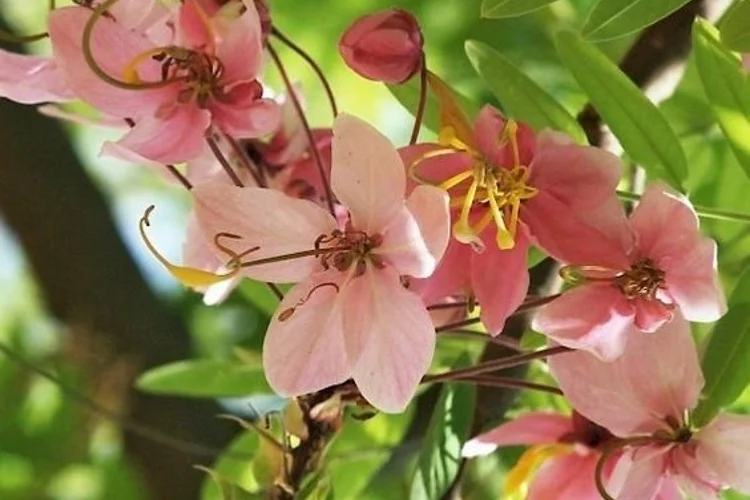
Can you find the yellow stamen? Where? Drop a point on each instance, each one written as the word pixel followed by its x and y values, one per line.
pixel 412 169
pixel 130 72
pixel 457 179
pixel 519 476
pixel 511 130
pixel 504 238
pixel 188 276
pixel 462 230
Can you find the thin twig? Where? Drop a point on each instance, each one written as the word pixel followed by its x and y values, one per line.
pixel 223 161
pixel 419 115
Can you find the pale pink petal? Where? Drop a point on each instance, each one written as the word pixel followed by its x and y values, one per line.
pixel 32 79
pixel 138 15
pixel 452 276
pixel 724 446
pixel 650 315
pixel 500 280
pixel 195 30
pixel 528 429
pixel 696 480
pixel 394 336
pixel 404 248
pixel 275 222
pixel 566 477
pixel 644 470
pixel 56 111
pixel 693 282
pixel 240 46
pixel 494 145
pixel 114 48
pixel 305 352
pixel 259 118
pixel 658 376
pixel 596 318
pixel 429 206
pixel 176 138
pixel 367 174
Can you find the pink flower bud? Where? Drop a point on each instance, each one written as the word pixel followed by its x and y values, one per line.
pixel 386 46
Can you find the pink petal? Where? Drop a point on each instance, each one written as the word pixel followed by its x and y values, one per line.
pixel 114 48
pixel 32 79
pixel 595 318
pixel 489 128
pixel 305 352
pixel 650 315
pixel 695 478
pixel 275 222
pixel 434 163
pixel 451 277
pixel 404 247
pixel 658 376
pixel 255 120
pixel 429 206
pixel 724 446
pixel 367 174
pixel 644 470
pixel 240 46
pixel 176 138
pixel 138 15
pixel 566 477
pixel 693 282
pixel 193 27
pixel 500 280
pixel 528 429
pixel 394 336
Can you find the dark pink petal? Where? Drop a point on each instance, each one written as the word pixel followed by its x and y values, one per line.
pixel 32 79
pixel 114 49
pixel 240 46
pixel 194 27
pixel 566 477
pixel 433 163
pixel 305 352
pixel 494 145
pixel 176 138
pixel 367 174
pixel 390 338
pixel 528 429
pixel 257 119
pixel 500 280
pixel 595 318
pixel 277 223
pixel 452 276
pixel 724 446
pixel 650 315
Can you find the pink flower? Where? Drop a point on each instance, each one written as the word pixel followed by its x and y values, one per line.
pixel 385 46
pixel 645 397
pixel 349 314
pixel 670 266
pixel 32 79
pixel 561 463
pixel 209 74
pixel 510 188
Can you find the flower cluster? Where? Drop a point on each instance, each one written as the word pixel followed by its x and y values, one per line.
pixel 373 238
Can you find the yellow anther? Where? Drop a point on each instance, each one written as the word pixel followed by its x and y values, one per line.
pixel 504 238
pixel 457 179
pixel 511 131
pixel 462 230
pixel 519 476
pixel 188 276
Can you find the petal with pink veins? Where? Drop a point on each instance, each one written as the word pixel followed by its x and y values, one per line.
pixel 390 341
pixel 499 279
pixel 650 315
pixel 32 79
pixel 566 477
pixel 644 471
pixel 367 174
pixel 305 352
pixel 528 429
pixel 595 318
pixel 404 247
pixel 489 133
pixel 429 206
pixel 256 119
pixel 175 138
pixel 240 47
pixel 277 223
pixel 724 446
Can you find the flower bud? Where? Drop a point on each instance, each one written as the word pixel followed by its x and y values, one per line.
pixel 386 46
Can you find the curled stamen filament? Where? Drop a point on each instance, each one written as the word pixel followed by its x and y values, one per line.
pixel 576 275
pixel 188 276
pixel 287 313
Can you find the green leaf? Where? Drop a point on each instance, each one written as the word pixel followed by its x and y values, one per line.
pixel 642 130
pixel 727 88
pixel 496 9
pixel 735 27
pixel 726 361
pixel 615 18
pixel 518 93
pixel 260 295
pixel 233 466
pixel 206 378
pixel 407 94
pixel 440 457
pixel 227 489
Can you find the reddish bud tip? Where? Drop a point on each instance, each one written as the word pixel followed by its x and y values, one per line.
pixel 385 46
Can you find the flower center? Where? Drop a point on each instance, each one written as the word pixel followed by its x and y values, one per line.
pixel 356 249
pixel 497 190
pixel 643 280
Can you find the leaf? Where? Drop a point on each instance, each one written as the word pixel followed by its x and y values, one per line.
pixel 642 130
pixel 727 88
pixel 496 9
pixel 726 361
pixel 226 489
pixel 518 93
pixel 407 94
pixel 205 378
pixel 615 18
pixel 734 27
pixel 260 295
pixel 440 457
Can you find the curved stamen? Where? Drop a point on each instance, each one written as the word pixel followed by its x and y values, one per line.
pixel 607 453
pixel 412 168
pixel 462 230
pixel 287 313
pixel 504 238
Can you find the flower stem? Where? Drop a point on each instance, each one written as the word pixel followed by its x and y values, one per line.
pixel 705 212
pixel 296 255
pixel 11 38
pixel 311 62
pixel 249 165
pixel 223 161
pixel 306 126
pixel 500 340
pixel 422 102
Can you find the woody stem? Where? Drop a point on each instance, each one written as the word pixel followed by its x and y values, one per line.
pixel 295 255
pixel 419 115
pixel 223 161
